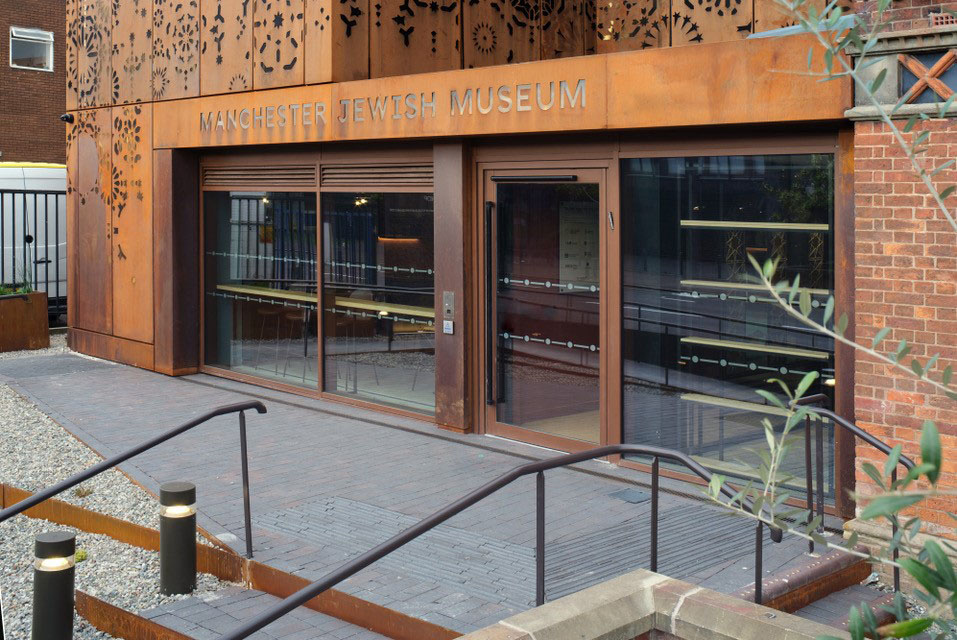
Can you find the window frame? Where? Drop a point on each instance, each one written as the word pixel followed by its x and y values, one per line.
pixel 36 35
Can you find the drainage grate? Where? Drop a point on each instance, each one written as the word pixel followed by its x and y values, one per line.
pixel 487 568
pixel 689 544
pixel 634 496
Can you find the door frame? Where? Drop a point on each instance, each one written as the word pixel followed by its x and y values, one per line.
pixel 609 337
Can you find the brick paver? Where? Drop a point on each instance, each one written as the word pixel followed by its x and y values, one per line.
pixel 328 481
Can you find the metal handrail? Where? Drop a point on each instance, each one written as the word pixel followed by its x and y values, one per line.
pixel 109 463
pixel 817 400
pixel 538 467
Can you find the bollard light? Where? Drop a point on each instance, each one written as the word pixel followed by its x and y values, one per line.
pixel 177 537
pixel 53 585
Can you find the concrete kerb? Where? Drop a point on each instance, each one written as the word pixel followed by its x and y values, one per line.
pixel 640 603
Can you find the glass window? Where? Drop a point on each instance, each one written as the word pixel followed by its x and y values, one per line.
pixel 699 336
pixel 379 298
pixel 31 49
pixel 260 285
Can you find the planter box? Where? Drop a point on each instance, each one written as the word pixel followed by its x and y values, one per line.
pixel 24 323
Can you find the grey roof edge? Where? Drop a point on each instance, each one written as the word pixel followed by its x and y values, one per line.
pixel 927 38
pixel 932 109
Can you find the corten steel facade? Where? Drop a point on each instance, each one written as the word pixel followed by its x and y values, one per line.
pixel 32 101
pixel 552 251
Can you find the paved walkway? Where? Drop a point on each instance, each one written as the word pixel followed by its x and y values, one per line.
pixel 209 618
pixel 329 481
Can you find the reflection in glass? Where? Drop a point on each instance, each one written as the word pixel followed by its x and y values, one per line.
pixel 260 285
pixel 699 336
pixel 379 298
pixel 547 308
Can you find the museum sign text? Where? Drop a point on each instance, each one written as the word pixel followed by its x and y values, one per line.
pixel 457 103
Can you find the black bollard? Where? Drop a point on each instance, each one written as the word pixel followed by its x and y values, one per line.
pixel 53 585
pixel 177 537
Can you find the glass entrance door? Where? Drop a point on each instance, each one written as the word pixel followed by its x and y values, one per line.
pixel 543 297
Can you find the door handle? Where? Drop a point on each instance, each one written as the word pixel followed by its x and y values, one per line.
pixel 489 330
pixel 611 220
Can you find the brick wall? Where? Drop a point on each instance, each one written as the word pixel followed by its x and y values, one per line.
pixel 31 101
pixel 906 278
pixel 904 15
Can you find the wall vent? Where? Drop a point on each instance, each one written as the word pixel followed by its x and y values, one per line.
pixel 261 177
pixel 942 20
pixel 369 176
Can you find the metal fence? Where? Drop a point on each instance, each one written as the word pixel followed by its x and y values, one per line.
pixel 33 243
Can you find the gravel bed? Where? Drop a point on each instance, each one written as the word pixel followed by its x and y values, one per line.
pixel 36 452
pixel 125 576
pixel 57 346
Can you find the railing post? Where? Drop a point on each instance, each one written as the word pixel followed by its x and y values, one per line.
pixel 654 514
pixel 819 447
pixel 540 539
pixel 808 473
pixel 758 561
pixel 896 551
pixel 242 446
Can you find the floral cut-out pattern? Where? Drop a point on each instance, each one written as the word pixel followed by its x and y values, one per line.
pixel 132 52
pixel 175 49
pixel 415 36
pixel 277 43
pixel 227 46
pixel 503 31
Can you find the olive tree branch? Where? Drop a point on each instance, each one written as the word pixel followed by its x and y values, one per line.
pixel 790 310
pixel 795 532
pixel 854 72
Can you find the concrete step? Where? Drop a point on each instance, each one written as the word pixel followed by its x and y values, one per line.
pixel 208 618
pixel 833 609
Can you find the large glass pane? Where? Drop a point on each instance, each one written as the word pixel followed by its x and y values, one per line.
pixel 379 298
pixel 699 336
pixel 547 308
pixel 260 285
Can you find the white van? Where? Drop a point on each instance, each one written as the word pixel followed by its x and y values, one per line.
pixel 33 229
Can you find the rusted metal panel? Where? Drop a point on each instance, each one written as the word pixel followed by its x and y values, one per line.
pixel 226 56
pixel 131 201
pixel 23 322
pixel 563 28
pixel 176 45
pixel 501 32
pixel 73 43
pixel 278 51
pixel 120 623
pixel 708 85
pixel 337 40
pixel 816 578
pixel 627 25
pixel 90 36
pixel 132 52
pixel 131 352
pixel 697 21
pixel 414 36
pixel 93 299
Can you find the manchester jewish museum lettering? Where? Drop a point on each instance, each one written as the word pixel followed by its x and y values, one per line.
pixel 369 110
